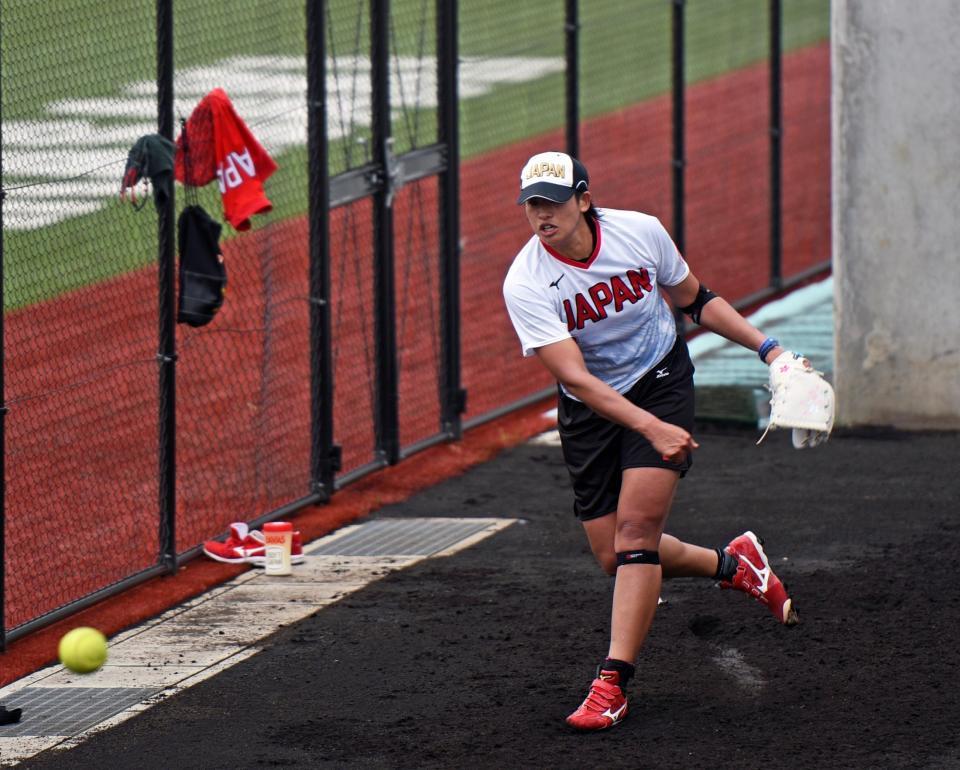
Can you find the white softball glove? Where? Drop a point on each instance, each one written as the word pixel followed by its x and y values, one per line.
pixel 800 399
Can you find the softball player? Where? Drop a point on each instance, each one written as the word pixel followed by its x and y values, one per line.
pixel 584 297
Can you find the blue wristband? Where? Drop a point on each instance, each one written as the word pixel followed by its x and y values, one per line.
pixel 768 344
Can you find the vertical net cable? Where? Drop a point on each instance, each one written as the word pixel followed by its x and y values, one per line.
pixel 348 90
pixel 417 232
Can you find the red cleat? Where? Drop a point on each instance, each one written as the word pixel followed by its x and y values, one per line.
pixel 235 548
pixel 245 545
pixel 605 705
pixel 754 577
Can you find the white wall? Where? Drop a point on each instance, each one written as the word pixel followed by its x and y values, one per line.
pixel 896 211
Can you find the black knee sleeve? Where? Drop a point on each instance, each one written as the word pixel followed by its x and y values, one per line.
pixel 637 557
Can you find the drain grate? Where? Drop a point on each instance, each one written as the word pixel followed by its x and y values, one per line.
pixel 67 711
pixel 401 537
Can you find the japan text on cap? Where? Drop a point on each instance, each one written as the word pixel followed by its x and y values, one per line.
pixel 552 175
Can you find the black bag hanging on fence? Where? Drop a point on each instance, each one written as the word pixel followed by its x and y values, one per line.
pixel 203 276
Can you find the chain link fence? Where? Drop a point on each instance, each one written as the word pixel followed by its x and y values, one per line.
pixel 243 381
pixel 81 419
pixel 375 310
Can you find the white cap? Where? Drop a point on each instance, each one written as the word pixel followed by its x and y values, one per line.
pixel 552 175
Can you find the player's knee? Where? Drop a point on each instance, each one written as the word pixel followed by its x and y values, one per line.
pixel 637 533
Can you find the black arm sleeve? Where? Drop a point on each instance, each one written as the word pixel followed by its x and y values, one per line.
pixel 704 295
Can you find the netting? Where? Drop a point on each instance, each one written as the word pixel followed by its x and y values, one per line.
pixel 418 311
pixel 512 106
pixel 728 145
pixel 416 211
pixel 80 303
pixel 806 135
pixel 352 334
pixel 348 84
pixel 80 267
pixel 243 410
pixel 625 106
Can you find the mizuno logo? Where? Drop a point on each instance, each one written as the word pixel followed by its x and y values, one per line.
pixel 553 284
pixel 662 373
pixel 763 575
pixel 615 715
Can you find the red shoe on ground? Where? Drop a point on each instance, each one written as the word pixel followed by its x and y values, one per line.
pixel 754 577
pixel 236 547
pixel 245 545
pixel 605 705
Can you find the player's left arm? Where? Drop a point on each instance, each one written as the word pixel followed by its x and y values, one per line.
pixel 800 398
pixel 716 314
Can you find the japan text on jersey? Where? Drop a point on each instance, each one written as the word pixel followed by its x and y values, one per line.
pixel 608 303
pixel 592 305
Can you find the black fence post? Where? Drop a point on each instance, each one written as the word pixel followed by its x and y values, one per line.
pixel 572 45
pixel 167 355
pixel 388 430
pixel 678 93
pixel 324 458
pixel 453 397
pixel 679 160
pixel 776 145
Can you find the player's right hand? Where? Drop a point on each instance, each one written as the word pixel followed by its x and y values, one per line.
pixel 671 441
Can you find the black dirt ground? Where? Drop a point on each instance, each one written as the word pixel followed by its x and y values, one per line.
pixel 473 661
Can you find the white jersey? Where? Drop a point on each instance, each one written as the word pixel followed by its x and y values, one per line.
pixel 609 304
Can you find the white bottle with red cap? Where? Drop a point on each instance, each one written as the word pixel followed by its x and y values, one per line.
pixel 278 543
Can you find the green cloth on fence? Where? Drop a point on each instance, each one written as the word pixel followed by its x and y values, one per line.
pixel 151 156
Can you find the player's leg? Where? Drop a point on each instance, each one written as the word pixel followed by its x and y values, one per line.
pixel 677 558
pixel 645 498
pixel 644 501
pixel 680 559
pixel 601 532
pixel 730 566
pixel 742 565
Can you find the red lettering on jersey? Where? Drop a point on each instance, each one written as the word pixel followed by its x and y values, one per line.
pixel 600 294
pixel 639 281
pixel 568 310
pixel 621 293
pixel 616 293
pixel 585 312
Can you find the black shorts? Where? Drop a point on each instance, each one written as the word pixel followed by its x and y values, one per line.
pixel 597 451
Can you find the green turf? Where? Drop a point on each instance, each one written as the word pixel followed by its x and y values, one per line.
pixel 65 49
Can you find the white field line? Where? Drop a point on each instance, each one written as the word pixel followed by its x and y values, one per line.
pixel 269 94
pixel 731 661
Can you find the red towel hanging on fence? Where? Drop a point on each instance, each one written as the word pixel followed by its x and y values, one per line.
pixel 216 143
